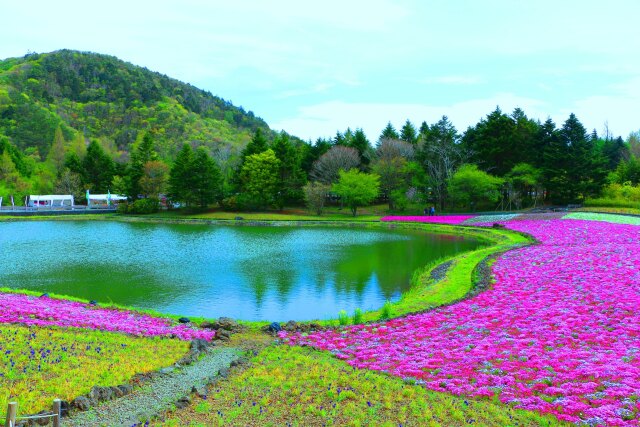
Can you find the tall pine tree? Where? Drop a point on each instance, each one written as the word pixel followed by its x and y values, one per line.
pixel 179 177
pixel 408 133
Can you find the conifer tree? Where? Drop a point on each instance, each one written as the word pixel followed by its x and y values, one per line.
pixel 389 132
pixel 180 175
pixel 408 133
pixel 205 179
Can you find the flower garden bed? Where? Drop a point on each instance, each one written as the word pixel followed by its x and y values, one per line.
pixel 558 332
pixel 45 311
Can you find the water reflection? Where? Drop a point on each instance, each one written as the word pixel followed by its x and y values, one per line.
pixel 244 272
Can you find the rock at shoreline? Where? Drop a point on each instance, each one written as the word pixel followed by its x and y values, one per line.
pixel 222 335
pixel 275 327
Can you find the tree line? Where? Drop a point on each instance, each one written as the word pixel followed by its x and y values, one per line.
pixel 505 161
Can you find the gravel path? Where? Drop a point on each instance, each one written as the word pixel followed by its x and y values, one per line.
pixel 157 394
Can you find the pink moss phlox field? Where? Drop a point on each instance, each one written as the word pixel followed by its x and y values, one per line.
pixel 45 311
pixel 558 332
pixel 453 219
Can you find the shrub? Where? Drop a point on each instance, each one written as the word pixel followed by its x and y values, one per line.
pixel 140 207
pixel 386 311
pixel 357 316
pixel 343 318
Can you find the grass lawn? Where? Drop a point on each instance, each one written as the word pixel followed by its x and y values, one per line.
pixel 40 364
pixel 613 210
pixel 301 387
pixel 369 213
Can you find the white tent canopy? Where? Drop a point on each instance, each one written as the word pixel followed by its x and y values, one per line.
pixel 105 197
pixel 50 200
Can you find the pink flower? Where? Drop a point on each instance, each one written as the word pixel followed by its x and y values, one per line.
pixel 46 311
pixel 558 332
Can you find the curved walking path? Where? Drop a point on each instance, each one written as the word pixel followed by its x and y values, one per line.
pixel 157 394
pixel 558 332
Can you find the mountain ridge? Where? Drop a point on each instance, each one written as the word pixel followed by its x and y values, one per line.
pixel 101 97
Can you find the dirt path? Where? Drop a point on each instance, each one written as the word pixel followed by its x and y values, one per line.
pixel 156 395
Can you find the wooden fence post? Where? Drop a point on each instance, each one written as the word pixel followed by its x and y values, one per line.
pixel 12 413
pixel 56 412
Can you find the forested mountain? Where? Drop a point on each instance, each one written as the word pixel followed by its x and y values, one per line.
pixel 93 96
pixel 73 121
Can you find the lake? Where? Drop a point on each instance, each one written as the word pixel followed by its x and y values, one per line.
pixel 245 272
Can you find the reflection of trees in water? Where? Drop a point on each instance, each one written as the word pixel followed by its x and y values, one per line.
pixel 263 275
pixel 391 263
pixel 106 283
pixel 349 269
pixel 172 267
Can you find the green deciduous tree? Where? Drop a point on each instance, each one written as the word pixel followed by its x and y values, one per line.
pixel 10 179
pixel 523 186
pixel 259 177
pixel 391 166
pixel 470 186
pixel 357 188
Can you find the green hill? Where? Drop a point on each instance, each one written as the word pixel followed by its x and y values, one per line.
pixel 93 96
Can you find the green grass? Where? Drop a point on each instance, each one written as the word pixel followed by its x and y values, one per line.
pixel 66 217
pixel 304 387
pixel 371 214
pixel 612 203
pixel 611 209
pixel 613 218
pixel 40 364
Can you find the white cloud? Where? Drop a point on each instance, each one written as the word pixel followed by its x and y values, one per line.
pixel 618 109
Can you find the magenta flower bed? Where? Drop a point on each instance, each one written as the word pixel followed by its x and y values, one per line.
pixel 558 333
pixel 44 311
pixel 453 219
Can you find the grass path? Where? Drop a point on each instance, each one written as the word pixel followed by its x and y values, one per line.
pixel 156 395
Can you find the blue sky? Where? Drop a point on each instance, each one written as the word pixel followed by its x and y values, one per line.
pixel 313 68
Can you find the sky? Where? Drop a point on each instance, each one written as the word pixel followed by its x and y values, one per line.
pixel 315 68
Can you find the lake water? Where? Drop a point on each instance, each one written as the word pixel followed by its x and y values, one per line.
pixel 245 272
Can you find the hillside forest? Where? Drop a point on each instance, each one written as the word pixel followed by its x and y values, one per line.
pixel 72 121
